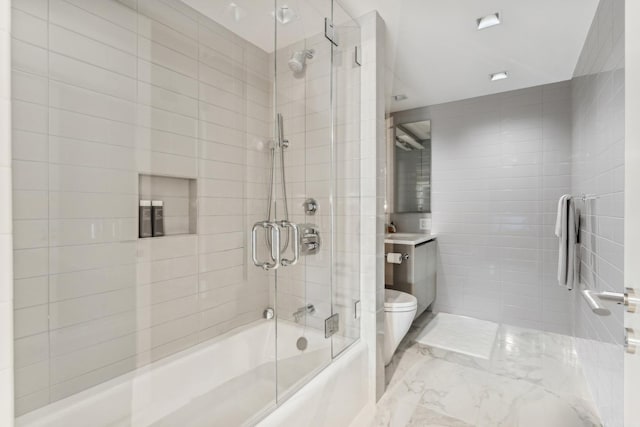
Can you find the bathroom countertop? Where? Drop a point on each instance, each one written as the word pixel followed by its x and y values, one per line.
pixel 412 239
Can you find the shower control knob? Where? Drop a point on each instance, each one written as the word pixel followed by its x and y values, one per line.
pixel 312 246
pixel 310 240
pixel 310 206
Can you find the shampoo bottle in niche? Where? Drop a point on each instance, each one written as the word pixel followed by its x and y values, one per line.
pixel 157 213
pixel 145 225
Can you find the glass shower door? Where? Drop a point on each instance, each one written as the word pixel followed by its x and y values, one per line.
pixel 317 95
pixel 118 103
pixel 302 98
pixel 346 60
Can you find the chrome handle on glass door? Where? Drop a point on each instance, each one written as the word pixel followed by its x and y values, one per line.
pixel 275 245
pixel 275 249
pixel 296 243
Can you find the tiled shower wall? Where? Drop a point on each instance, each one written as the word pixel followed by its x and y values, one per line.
pixel 6 270
pixel 103 91
pixel 598 151
pixel 500 163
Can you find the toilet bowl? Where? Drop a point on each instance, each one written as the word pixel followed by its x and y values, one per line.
pixel 399 311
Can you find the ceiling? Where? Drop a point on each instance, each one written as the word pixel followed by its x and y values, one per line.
pixel 435 54
pixel 253 19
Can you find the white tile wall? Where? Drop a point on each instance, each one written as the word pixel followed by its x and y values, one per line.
pixel 101 93
pixel 6 270
pixel 500 163
pixel 598 168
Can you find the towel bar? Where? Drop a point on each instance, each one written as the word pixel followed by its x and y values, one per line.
pixel 586 197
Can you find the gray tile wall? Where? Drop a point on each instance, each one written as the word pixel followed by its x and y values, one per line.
pixel 500 163
pixel 598 168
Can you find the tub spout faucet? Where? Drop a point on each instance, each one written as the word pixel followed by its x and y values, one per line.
pixel 303 311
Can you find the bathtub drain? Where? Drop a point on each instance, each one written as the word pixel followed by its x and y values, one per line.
pixel 301 343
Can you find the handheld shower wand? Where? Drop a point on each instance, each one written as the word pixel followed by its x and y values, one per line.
pixel 279 145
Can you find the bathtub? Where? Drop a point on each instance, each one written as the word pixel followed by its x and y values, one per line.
pixel 227 381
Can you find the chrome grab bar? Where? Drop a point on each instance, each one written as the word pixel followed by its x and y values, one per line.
pixel 296 243
pixel 275 239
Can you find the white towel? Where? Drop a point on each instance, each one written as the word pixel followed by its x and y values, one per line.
pixel 567 230
pixel 562 200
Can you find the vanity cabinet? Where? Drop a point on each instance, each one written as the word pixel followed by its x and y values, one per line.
pixel 417 274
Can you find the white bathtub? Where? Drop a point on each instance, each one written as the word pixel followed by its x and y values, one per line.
pixel 227 381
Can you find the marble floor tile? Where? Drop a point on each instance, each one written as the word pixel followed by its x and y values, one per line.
pixel 532 379
pixel 400 365
pixel 508 402
pixel 423 417
pixel 451 389
pixel 394 413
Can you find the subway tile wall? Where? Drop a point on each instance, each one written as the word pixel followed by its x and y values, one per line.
pixel 104 91
pixel 500 163
pixel 598 168
pixel 6 267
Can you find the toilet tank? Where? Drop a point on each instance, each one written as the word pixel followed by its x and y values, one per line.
pixel 416 275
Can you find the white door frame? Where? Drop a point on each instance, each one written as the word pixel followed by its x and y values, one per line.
pixel 632 202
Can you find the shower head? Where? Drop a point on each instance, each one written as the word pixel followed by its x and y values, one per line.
pixel 299 58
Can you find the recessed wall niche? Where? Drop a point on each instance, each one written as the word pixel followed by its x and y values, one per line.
pixel 179 198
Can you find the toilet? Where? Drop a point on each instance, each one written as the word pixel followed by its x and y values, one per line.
pixel 399 311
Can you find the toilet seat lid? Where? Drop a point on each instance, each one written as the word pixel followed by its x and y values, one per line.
pixel 396 300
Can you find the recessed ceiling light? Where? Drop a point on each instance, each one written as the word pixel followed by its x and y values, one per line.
pixel 400 97
pixel 488 21
pixel 285 14
pixel 235 12
pixel 499 76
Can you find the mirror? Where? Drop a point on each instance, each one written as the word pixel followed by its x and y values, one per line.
pixel 412 183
